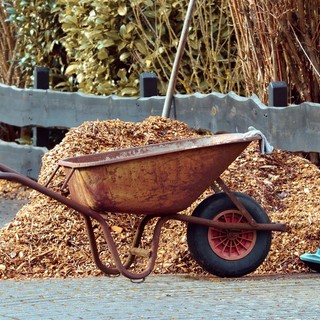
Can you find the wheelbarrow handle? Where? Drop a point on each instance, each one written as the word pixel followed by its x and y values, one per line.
pixel 4 168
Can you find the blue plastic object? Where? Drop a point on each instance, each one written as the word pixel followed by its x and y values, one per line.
pixel 312 260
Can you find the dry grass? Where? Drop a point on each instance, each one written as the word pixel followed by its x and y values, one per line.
pixel 9 74
pixel 279 41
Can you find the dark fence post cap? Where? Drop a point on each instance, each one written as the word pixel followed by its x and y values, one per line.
pixel 278 94
pixel 148 84
pixel 41 78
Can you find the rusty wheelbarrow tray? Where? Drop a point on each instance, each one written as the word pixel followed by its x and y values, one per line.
pixel 228 234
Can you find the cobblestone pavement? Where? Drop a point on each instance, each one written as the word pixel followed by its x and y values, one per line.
pixel 160 296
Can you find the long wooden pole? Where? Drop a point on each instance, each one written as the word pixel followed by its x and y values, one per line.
pixel 177 60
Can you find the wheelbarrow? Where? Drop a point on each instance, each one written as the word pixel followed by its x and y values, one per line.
pixel 228 234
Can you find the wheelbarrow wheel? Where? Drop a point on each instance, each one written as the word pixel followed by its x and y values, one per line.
pixel 228 253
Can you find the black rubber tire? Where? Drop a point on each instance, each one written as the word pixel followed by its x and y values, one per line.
pixel 199 246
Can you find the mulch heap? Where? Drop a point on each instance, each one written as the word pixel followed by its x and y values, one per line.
pixel 48 240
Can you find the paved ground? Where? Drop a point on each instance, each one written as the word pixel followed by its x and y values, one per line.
pixel 160 297
pixel 8 209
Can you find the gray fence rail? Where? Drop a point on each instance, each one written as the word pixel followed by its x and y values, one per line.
pixel 293 128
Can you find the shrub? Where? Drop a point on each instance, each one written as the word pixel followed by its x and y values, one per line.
pixel 111 42
pixel 102 46
pixel 38 33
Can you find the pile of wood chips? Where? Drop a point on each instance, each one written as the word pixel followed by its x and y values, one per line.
pixel 47 239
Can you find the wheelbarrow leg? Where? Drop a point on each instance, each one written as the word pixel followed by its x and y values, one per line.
pixel 137 239
pixel 94 249
pixel 131 257
pixel 120 267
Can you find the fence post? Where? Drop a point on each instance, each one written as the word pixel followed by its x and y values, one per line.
pixel 41 78
pixel 278 94
pixel 148 84
pixel 41 81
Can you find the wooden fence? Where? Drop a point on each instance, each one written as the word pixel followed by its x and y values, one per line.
pixel 293 128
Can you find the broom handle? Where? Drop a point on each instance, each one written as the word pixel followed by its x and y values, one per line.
pixel 177 60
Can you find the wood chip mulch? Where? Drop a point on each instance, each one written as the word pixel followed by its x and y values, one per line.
pixel 48 240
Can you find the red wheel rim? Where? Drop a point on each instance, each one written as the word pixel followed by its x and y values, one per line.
pixel 231 244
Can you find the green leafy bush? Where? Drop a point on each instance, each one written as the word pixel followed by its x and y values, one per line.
pixel 111 42
pixel 38 33
pixel 102 46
